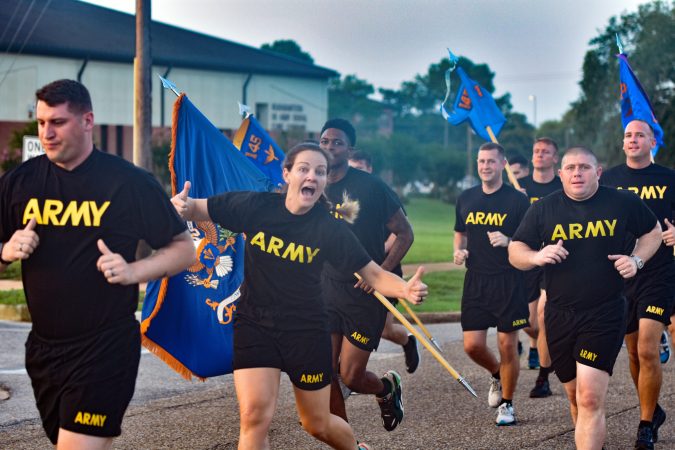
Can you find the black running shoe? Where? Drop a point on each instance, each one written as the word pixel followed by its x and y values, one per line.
pixel 412 354
pixel 391 406
pixel 541 389
pixel 657 420
pixel 645 438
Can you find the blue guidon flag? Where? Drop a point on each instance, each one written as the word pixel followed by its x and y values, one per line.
pixel 187 318
pixel 473 103
pixel 635 103
pixel 254 142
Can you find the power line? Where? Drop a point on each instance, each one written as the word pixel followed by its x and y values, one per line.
pixel 11 19
pixel 30 33
pixel 18 29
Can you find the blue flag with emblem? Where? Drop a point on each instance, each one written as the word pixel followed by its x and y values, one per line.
pixel 187 318
pixel 635 103
pixel 254 142
pixel 475 104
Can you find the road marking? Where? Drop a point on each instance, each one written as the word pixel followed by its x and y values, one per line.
pixel 12 371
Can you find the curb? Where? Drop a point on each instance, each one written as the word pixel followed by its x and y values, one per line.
pixel 17 313
pixel 435 317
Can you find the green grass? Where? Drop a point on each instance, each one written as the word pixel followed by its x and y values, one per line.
pixel 433 222
pixel 12 297
pixel 12 272
pixel 445 292
pixel 16 297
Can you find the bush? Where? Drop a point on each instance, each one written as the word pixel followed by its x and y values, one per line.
pixel 11 156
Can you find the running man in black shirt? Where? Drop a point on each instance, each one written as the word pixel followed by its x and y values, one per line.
pixel 486 216
pixel 542 182
pixel 519 166
pixel 74 218
pixel 281 320
pixel 650 292
pixel 357 318
pixel 394 332
pixel 582 230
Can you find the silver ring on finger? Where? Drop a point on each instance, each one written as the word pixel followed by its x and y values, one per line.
pixel 112 273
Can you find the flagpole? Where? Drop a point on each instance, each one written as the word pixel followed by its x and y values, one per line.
pixel 509 172
pixel 417 320
pixel 423 340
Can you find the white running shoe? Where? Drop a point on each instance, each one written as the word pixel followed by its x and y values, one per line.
pixel 346 392
pixel 505 415
pixel 495 393
pixel 664 348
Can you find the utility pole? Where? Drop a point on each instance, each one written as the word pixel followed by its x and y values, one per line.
pixel 469 156
pixel 142 87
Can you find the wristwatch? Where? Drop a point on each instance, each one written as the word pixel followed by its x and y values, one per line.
pixel 639 263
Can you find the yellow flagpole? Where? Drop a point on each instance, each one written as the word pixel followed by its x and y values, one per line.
pixel 423 340
pixel 509 172
pixel 417 320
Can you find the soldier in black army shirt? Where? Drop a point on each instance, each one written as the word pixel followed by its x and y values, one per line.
pixel 650 293
pixel 582 230
pixel 358 318
pixel 74 218
pixel 540 183
pixel 281 321
pixel 486 216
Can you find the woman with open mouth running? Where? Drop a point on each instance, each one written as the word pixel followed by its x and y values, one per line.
pixel 281 320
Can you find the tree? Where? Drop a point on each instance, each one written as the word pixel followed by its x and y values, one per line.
pixel 649 37
pixel 290 48
pixel 11 156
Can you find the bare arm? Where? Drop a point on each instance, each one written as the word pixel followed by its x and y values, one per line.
pixel 399 226
pixel 174 257
pixel 461 253
pixel 21 245
pixel 390 285
pixel 522 257
pixel 646 246
pixel 189 208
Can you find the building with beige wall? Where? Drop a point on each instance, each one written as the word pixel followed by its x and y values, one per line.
pixel 44 41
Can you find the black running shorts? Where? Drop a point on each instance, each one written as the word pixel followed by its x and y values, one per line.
pixel 354 314
pixel 305 355
pixel 494 301
pixel 534 283
pixel 650 296
pixel 591 337
pixel 84 385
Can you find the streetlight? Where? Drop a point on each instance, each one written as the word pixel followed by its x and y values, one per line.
pixel 533 99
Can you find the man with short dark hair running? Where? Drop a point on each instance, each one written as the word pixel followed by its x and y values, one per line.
pixel 74 218
pixel 356 317
pixel 486 216
pixel 578 235
pixel 541 182
pixel 392 331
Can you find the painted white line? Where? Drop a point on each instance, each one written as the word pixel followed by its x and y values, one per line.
pixel 12 371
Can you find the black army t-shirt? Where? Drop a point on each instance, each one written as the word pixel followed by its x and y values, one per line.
pixel 536 191
pixel 655 185
pixel 285 254
pixel 378 203
pixel 106 198
pixel 476 213
pixel 590 230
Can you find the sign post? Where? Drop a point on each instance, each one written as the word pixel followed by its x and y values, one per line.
pixel 31 148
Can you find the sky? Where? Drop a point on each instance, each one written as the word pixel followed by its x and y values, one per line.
pixel 535 47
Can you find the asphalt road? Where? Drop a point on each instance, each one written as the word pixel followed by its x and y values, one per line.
pixel 168 412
